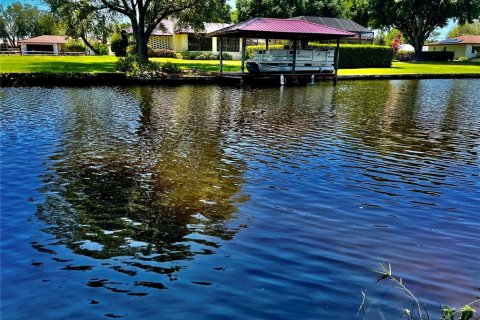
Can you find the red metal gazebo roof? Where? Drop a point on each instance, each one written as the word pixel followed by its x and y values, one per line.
pixel 281 29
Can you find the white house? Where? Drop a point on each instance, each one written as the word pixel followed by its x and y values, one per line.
pixel 463 46
pixel 168 36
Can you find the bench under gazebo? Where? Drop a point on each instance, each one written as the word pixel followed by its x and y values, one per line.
pixel 285 29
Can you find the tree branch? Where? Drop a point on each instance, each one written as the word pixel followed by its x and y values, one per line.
pixel 116 8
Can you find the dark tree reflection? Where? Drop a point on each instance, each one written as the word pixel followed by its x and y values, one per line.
pixel 147 182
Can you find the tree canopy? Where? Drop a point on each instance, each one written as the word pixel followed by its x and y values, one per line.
pixel 248 9
pixel 417 19
pixel 19 21
pixel 465 29
pixel 145 15
pixel 357 10
pixel 83 20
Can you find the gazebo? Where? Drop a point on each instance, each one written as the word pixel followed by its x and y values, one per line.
pixel 270 28
pixel 47 44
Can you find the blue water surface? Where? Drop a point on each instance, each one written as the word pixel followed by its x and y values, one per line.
pixel 208 202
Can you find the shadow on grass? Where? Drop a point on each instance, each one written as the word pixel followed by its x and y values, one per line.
pixel 71 66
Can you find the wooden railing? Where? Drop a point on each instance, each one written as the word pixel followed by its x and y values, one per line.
pixel 10 52
pixel 51 53
pixel 40 53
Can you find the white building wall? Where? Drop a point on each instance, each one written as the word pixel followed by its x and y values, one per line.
pixel 469 54
pixel 460 50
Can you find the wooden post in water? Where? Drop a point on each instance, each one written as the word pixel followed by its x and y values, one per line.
pixel 243 59
pixel 337 54
pixel 221 56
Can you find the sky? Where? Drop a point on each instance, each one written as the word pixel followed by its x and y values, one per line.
pixel 39 3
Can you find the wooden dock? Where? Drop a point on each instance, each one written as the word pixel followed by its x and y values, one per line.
pixel 262 79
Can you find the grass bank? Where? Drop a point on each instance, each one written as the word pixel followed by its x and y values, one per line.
pixel 100 64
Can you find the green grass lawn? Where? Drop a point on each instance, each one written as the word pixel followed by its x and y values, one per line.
pixel 106 64
pixel 418 68
pixel 92 64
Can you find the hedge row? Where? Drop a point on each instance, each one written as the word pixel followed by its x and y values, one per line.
pixel 203 55
pixel 360 56
pixel 351 55
pixel 405 56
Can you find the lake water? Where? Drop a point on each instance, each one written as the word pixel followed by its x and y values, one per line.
pixel 207 202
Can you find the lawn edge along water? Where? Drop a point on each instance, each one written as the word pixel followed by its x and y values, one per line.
pixel 92 70
pixel 108 79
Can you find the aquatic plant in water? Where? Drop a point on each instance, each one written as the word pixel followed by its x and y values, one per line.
pixel 447 312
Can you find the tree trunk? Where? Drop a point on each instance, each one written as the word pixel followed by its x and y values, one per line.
pixel 88 44
pixel 417 43
pixel 142 40
pixel 142 48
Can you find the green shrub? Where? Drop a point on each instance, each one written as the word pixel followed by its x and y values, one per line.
pixel 206 56
pixel 131 49
pixel 360 56
pixel 189 55
pixel 149 66
pixel 438 55
pixel 405 56
pixel 162 53
pixel 225 56
pixel 118 44
pixel 102 49
pixel 197 55
pixel 127 64
pixel 171 69
pixel 75 45
pixel 250 49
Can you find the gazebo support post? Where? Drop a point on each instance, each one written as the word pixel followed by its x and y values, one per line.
pixel 266 44
pixel 243 59
pixel 337 55
pixel 294 56
pixel 221 56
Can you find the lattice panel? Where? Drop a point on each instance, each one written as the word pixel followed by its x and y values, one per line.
pixel 160 42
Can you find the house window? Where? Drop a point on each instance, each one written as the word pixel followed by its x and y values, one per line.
pixel 229 44
pixel 476 49
pixel 199 43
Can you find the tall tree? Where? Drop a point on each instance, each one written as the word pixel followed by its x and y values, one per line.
pixel 248 9
pixel 145 15
pixel 18 21
pixel 465 29
pixel 84 20
pixel 417 19
pixel 357 10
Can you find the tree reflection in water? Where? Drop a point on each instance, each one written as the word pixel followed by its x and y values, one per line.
pixel 153 186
